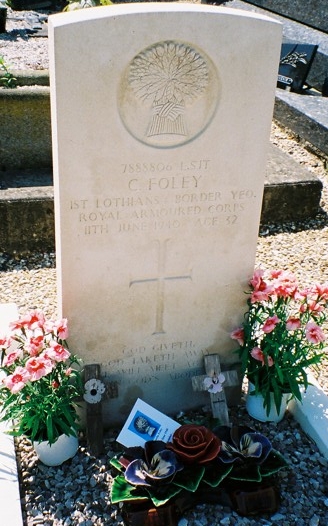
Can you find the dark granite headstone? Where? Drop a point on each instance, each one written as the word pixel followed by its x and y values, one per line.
pixel 312 13
pixel 294 66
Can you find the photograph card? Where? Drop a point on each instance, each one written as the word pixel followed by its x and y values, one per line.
pixel 146 423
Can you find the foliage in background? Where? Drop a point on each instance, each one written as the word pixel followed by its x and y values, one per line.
pixel 8 80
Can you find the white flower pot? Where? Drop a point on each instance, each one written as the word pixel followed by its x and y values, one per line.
pixel 254 406
pixel 55 454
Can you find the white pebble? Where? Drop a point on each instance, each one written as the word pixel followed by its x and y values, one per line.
pixel 314 521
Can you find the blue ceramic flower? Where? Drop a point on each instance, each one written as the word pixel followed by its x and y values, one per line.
pixel 156 467
pixel 242 444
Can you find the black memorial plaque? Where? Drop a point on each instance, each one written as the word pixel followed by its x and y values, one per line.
pixel 294 66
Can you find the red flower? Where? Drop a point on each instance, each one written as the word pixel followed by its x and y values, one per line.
pixel 195 444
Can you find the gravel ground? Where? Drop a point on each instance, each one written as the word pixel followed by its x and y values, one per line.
pixel 21 46
pixel 77 493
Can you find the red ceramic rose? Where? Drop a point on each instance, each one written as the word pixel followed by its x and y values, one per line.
pixel 194 444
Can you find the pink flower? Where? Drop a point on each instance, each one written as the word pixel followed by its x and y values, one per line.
pixel 38 367
pixel 4 342
pixel 293 323
pixel 285 283
pixel 261 290
pixel 258 354
pixel 16 381
pixel 321 291
pixel 239 335
pixel 270 323
pixel 57 352
pixel 34 345
pixel 314 333
pixel 256 281
pixel 12 356
pixel 261 295
pixel 61 329
pixel 311 306
pixel 33 320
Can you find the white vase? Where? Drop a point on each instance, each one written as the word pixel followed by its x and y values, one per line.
pixel 254 406
pixel 55 454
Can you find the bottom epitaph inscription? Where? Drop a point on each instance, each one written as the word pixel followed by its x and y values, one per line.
pixel 150 363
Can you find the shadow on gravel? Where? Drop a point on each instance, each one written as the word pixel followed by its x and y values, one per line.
pixel 319 222
pixel 16 262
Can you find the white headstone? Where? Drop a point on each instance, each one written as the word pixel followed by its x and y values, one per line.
pixel 161 117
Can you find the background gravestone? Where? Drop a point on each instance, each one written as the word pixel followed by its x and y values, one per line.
pixel 161 117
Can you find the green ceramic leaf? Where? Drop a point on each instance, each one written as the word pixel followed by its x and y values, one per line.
pixel 116 464
pixel 274 462
pixel 247 472
pixel 214 474
pixel 162 494
pixel 189 478
pixel 123 491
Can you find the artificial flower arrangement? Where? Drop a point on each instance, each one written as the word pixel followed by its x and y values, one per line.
pixel 281 335
pixel 196 458
pixel 39 384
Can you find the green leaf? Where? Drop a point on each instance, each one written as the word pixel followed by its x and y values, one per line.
pixel 247 472
pixel 116 464
pixel 189 478
pixel 279 373
pixel 68 414
pixel 273 463
pixel 294 388
pixel 214 474
pixel 50 429
pixel 64 427
pixel 277 395
pixel 162 494
pixel 122 491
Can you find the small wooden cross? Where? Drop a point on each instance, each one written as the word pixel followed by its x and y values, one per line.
pixel 94 424
pixel 212 376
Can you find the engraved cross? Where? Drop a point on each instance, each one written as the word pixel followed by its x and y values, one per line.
pixel 160 279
